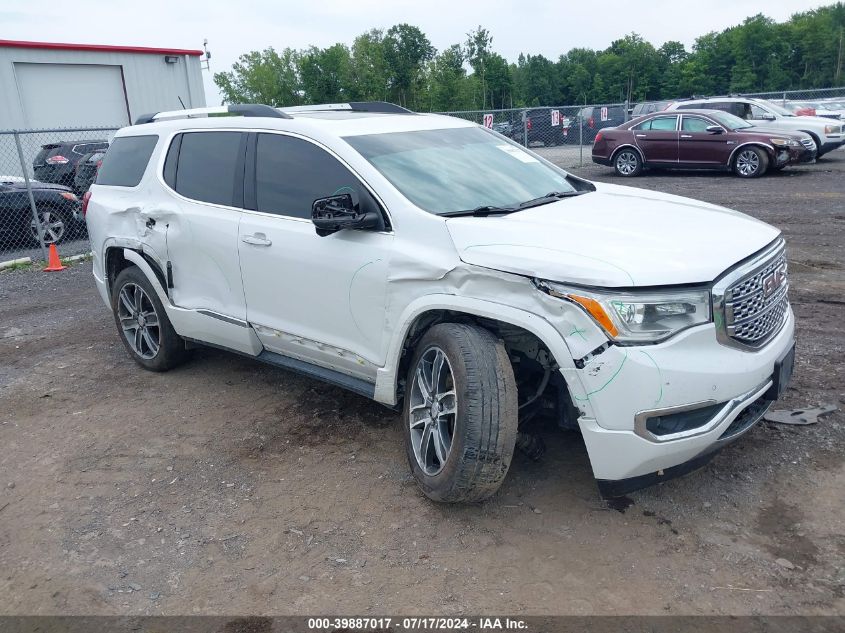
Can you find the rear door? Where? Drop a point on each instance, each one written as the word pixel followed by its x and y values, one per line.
pixel 658 138
pixel 318 299
pixel 194 226
pixel 697 146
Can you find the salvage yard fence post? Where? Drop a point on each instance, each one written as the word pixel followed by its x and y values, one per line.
pixel 35 219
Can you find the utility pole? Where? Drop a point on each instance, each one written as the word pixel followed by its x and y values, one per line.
pixel 837 75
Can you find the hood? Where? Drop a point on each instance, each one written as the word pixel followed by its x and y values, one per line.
pixel 614 237
pixel 775 132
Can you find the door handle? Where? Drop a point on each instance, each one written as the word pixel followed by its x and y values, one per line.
pixel 257 239
pixel 686 135
pixel 640 135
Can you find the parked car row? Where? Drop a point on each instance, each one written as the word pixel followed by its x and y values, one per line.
pixel 58 208
pixel 61 162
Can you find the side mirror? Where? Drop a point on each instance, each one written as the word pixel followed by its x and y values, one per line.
pixel 768 116
pixel 715 129
pixel 335 213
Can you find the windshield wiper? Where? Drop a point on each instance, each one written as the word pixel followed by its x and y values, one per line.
pixel 479 212
pixel 550 197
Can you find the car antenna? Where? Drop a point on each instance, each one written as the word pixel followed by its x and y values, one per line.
pixel 182 102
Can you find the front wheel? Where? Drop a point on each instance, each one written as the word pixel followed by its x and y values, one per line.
pixel 751 162
pixel 627 163
pixel 142 323
pixel 460 413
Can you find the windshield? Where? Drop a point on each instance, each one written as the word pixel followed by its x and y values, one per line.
pixel 456 169
pixel 779 109
pixel 729 120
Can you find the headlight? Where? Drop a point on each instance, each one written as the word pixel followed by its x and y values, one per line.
pixel 784 142
pixel 637 317
pixel 832 129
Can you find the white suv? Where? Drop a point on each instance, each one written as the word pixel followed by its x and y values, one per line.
pixel 827 134
pixel 433 265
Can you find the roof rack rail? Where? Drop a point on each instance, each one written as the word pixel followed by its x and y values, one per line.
pixel 351 106
pixel 242 109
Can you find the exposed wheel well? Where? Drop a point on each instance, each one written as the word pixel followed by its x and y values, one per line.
pixel 539 383
pixel 769 154
pixel 116 262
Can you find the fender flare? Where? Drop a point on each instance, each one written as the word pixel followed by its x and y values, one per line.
pixel 136 258
pixel 387 377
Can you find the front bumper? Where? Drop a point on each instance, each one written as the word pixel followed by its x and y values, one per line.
pixel 831 144
pixel 693 367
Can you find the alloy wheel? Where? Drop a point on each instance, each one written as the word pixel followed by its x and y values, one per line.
pixel 52 226
pixel 139 321
pixel 626 163
pixel 433 409
pixel 748 162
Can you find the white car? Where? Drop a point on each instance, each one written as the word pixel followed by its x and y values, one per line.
pixel 828 134
pixel 434 265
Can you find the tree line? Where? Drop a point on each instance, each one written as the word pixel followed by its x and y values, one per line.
pixel 400 65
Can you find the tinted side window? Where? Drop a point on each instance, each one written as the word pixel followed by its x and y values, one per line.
pixel 126 160
pixel 208 166
pixel 645 125
pixel 291 173
pixel 694 124
pixel 664 123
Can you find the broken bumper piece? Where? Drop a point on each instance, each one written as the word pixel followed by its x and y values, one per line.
pixel 650 413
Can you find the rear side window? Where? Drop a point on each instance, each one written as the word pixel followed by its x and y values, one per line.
pixel 663 123
pixel 126 160
pixel 209 164
pixel 291 173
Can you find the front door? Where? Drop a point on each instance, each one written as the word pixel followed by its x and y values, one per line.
pixel 699 147
pixel 318 299
pixel 658 139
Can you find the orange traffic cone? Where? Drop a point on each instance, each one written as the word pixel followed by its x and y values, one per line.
pixel 54 262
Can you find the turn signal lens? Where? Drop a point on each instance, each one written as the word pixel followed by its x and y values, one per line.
pixel 594 308
pixel 67 195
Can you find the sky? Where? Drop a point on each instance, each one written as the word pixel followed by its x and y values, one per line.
pixel 542 27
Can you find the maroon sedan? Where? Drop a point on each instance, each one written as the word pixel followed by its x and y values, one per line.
pixel 699 139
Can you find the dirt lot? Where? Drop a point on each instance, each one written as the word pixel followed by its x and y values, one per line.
pixel 229 487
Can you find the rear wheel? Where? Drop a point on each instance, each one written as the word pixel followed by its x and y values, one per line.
pixel 142 323
pixel 627 163
pixel 460 413
pixel 751 162
pixel 54 224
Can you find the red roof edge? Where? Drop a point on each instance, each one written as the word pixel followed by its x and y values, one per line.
pixel 99 47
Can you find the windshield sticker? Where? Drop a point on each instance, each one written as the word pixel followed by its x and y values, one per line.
pixel 517 153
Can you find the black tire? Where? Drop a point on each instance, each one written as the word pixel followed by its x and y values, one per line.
pixel 627 162
pixel 817 141
pixel 170 350
pixel 484 426
pixel 750 162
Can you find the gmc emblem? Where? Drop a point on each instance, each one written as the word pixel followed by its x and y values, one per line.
pixel 772 282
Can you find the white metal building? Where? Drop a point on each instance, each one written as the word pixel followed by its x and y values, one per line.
pixel 51 85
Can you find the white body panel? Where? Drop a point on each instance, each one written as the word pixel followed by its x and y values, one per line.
pixel 347 302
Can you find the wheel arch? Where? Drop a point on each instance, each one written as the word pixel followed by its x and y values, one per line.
pixel 428 311
pixel 118 258
pixel 627 146
pixel 770 150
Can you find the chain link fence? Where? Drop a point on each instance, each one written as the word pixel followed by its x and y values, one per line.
pixel 43 177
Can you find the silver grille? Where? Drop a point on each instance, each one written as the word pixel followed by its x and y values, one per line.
pixel 808 143
pixel 757 304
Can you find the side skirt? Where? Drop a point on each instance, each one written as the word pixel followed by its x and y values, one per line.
pixel 356 385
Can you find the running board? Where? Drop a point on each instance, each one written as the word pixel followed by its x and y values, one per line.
pixel 356 385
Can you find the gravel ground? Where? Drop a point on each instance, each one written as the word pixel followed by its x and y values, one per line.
pixel 230 487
